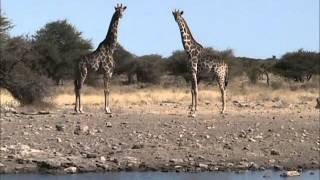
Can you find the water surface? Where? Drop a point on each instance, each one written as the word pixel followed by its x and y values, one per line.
pixel 262 175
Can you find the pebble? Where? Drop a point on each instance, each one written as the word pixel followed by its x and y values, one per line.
pixel 103 159
pixel 70 170
pixel 274 152
pixel 203 166
pixel 60 127
pixel 108 124
pixel 290 174
pixel 137 146
pixel 176 161
pixel 81 130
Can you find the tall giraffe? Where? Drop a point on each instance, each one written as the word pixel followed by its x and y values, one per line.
pixel 100 60
pixel 201 63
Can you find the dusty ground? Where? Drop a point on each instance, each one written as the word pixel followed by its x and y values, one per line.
pixel 161 137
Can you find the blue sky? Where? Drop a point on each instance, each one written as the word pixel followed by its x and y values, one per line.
pixel 252 28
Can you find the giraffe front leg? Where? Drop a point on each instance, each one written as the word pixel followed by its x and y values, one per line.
pixel 77 96
pixel 107 95
pixel 194 96
pixel 76 102
pixel 221 83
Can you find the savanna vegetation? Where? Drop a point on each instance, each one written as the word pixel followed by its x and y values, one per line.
pixel 33 66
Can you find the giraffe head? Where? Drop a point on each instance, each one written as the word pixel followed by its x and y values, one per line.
pixel 177 14
pixel 120 9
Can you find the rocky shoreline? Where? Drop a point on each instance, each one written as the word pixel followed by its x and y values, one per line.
pixel 60 142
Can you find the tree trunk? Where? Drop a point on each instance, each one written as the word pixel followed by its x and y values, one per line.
pixel 268 78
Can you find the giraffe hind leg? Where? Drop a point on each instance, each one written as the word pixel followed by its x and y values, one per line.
pixel 222 87
pixel 77 94
pixel 107 95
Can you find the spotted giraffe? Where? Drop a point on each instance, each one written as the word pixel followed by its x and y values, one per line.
pixel 201 63
pixel 100 60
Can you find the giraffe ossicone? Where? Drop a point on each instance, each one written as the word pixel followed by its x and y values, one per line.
pixel 100 60
pixel 201 63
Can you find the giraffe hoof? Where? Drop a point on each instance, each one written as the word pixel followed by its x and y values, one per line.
pixel 108 111
pixel 192 114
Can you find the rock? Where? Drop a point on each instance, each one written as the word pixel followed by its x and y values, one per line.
pixel 227 146
pixel 81 130
pixel 43 112
pixel 243 134
pixel 278 167
pixel 91 155
pixel 108 124
pixel 137 146
pixel 243 165
pixel 203 166
pixel 70 170
pixel 131 161
pixel 176 161
pixel 253 166
pixel 290 174
pixel 49 164
pixel 59 140
pixel 274 152
pixel 103 159
pixel 229 165
pixel 252 140
pixel 60 127
pixel 272 161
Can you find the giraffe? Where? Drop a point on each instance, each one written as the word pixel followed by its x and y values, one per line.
pixel 201 63
pixel 100 60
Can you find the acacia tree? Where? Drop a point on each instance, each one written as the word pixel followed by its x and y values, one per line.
pixel 15 74
pixel 59 45
pixel 298 65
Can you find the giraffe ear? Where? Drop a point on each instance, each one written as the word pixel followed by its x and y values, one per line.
pixel 124 7
pixel 181 12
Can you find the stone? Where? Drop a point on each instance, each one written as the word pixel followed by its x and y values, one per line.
pixel 131 161
pixel 91 155
pixel 253 166
pixel 274 152
pixel 203 166
pixel 108 124
pixel 278 167
pixel 176 161
pixel 243 134
pixel 290 174
pixel 49 164
pixel 137 146
pixel 81 130
pixel 70 170
pixel 60 127
pixel 43 112
pixel 103 159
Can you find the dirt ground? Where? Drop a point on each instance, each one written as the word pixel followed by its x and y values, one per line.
pixel 160 137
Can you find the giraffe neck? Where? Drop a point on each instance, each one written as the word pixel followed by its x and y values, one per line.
pixel 191 46
pixel 110 42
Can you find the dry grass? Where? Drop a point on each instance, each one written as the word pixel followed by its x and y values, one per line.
pixel 135 95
